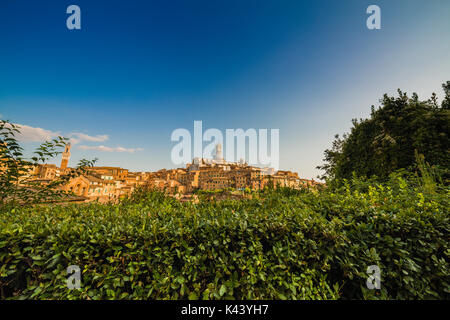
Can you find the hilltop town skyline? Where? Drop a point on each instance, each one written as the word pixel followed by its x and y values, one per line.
pixel 109 183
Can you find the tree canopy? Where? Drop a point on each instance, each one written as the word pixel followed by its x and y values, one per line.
pixel 402 128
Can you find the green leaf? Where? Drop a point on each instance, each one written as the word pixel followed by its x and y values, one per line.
pixel 222 290
pixel 193 296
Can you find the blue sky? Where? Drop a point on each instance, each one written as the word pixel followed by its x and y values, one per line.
pixel 137 70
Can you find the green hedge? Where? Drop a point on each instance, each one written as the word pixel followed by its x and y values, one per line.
pixel 282 244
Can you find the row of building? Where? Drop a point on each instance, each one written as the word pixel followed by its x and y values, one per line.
pixel 109 183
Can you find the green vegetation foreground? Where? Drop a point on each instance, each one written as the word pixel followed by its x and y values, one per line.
pixel 281 244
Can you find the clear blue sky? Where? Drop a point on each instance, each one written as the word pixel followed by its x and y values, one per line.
pixel 137 70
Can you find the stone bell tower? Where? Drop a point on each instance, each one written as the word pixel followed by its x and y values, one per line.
pixel 65 156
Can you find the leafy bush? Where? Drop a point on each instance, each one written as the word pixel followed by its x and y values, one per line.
pixel 285 244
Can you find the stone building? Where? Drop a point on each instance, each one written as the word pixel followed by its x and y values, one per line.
pixel 47 171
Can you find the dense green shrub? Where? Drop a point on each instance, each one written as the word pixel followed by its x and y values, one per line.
pixel 282 244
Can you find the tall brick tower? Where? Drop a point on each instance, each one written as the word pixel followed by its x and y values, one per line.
pixel 65 156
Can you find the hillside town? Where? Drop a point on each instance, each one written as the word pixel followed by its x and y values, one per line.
pixel 111 183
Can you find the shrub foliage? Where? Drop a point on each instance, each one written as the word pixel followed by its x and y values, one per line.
pixel 281 244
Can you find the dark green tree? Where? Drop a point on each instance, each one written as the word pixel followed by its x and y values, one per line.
pixel 391 139
pixel 446 101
